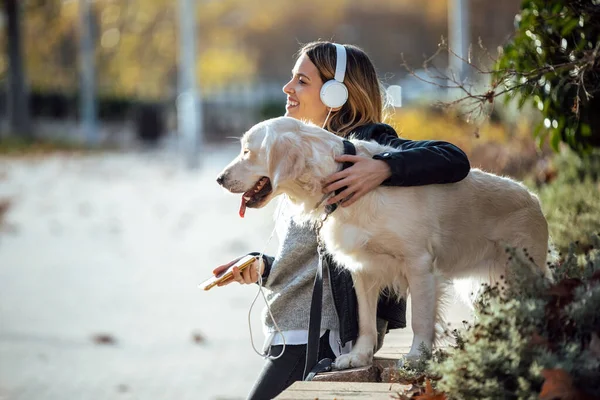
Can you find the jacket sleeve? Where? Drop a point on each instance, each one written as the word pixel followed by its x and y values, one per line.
pixel 268 260
pixel 422 162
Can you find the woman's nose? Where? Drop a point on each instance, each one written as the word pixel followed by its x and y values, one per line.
pixel 287 88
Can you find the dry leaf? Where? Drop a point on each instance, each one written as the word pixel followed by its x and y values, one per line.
pixel 430 394
pixel 198 338
pixel 558 385
pixel 104 338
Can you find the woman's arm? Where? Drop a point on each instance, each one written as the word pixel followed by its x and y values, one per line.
pixel 267 263
pixel 422 162
pixel 414 163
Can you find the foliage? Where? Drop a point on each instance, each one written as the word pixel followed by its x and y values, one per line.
pixel 137 50
pixel 428 124
pixel 554 60
pixel 571 202
pixel 502 147
pixel 533 338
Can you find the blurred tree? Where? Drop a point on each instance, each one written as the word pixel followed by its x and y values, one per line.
pixel 18 105
pixel 554 60
pixel 241 41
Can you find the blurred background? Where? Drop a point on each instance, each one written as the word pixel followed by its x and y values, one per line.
pixel 115 119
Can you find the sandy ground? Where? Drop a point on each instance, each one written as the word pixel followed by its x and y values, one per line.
pixel 116 244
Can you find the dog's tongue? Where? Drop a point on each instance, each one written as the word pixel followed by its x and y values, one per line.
pixel 243 207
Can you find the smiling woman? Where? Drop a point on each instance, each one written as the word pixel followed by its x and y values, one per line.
pixel 303 93
pixel 289 277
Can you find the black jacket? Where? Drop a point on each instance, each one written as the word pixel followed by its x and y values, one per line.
pixel 414 163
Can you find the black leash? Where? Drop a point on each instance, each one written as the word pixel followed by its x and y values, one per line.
pixel 312 367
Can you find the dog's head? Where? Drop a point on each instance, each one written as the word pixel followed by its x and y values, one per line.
pixel 278 156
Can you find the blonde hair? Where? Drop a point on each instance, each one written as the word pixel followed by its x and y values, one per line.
pixel 366 102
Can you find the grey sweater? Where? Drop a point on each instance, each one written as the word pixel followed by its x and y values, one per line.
pixel 290 282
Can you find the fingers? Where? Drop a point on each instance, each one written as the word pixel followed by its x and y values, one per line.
pixel 222 268
pixel 335 181
pixel 247 276
pixel 348 158
pixel 352 199
pixel 336 185
pixel 343 195
pixel 250 274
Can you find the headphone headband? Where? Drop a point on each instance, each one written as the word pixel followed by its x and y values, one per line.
pixel 333 92
pixel 340 64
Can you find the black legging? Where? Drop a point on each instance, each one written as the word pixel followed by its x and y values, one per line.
pixel 278 374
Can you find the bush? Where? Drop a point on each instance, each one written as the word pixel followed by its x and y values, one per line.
pixel 571 202
pixel 505 148
pixel 534 340
pixel 553 60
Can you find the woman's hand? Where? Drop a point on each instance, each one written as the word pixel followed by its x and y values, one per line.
pixel 365 175
pixel 247 276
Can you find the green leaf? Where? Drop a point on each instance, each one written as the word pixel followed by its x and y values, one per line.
pixel 586 130
pixel 522 100
pixel 555 139
pixel 537 130
pixel 570 24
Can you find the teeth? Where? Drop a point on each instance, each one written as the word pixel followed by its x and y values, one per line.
pixel 292 103
pixel 260 185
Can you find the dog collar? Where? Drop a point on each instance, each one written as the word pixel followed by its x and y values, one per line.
pixel 348 149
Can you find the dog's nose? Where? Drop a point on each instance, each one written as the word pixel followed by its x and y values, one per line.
pixel 221 179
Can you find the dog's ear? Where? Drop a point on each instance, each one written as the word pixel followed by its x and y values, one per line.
pixel 285 157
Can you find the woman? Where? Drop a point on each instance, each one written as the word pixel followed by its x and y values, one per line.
pixel 290 275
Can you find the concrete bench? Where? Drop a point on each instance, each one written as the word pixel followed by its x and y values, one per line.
pixel 342 390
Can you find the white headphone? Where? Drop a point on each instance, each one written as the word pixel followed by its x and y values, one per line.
pixel 333 92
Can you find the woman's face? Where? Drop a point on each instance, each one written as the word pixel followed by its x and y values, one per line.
pixel 303 99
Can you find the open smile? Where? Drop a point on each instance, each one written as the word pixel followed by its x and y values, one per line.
pixel 291 104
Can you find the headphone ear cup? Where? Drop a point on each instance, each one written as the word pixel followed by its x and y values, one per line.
pixel 334 94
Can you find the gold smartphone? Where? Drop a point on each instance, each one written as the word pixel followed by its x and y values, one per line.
pixel 242 264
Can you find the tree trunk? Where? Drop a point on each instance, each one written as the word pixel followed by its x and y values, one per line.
pixel 18 104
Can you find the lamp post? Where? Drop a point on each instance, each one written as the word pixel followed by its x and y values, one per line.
pixel 459 31
pixel 189 117
pixel 87 88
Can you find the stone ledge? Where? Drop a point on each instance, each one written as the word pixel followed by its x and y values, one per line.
pixel 382 370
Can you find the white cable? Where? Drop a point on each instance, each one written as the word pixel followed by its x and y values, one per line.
pixel 326 118
pixel 260 287
pixel 260 291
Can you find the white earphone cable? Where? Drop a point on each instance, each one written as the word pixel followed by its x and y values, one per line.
pixel 260 291
pixel 260 287
pixel 326 118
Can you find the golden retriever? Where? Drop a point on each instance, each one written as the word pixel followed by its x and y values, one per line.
pixel 407 239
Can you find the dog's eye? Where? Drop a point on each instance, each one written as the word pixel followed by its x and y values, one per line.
pixel 246 151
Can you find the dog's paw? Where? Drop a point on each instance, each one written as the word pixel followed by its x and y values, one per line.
pixel 353 360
